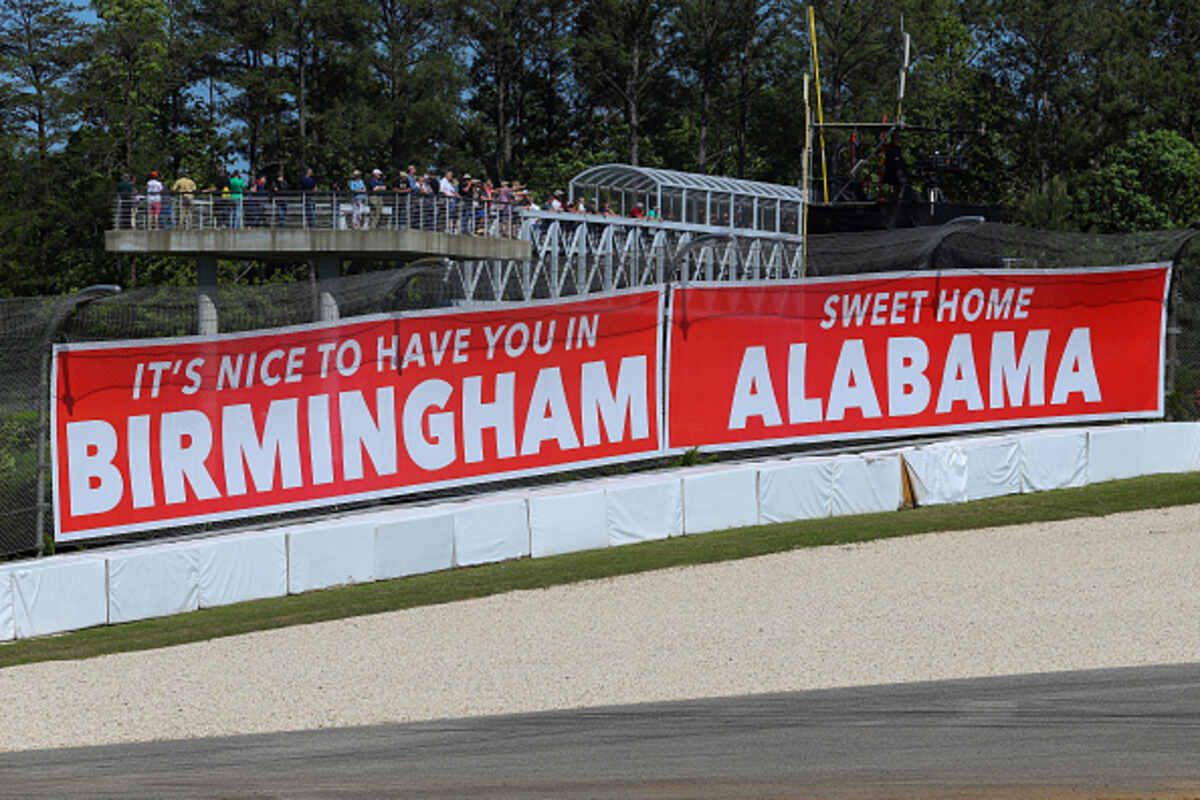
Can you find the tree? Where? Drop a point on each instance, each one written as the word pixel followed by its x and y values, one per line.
pixel 1147 183
pixel 39 49
pixel 705 44
pixel 620 59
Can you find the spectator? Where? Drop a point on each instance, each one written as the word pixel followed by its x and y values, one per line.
pixel 604 208
pixel 308 185
pixel 222 205
pixel 638 212
pixel 401 193
pixel 556 202
pixel 154 190
pixel 126 202
pixel 359 201
pixel 185 194
pixel 449 193
pixel 376 187
pixel 255 202
pixel 237 185
pixel 279 188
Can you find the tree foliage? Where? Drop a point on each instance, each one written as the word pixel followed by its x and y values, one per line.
pixel 1091 109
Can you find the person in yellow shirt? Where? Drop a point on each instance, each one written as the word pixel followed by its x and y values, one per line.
pixel 183 191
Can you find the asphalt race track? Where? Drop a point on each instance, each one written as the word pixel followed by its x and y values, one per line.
pixel 1104 733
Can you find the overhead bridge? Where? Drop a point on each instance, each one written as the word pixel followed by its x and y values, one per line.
pixel 657 226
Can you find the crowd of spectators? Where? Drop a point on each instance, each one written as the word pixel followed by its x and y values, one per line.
pixel 426 200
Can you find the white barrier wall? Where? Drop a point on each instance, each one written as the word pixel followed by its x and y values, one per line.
pixel 937 473
pixel 410 543
pixel 567 520
pixel 1116 453
pixel 76 591
pixel 154 581
pixel 717 498
pixel 490 530
pixel 59 594
pixel 1171 447
pixel 330 554
pixel 811 488
pixel 643 508
pixel 8 626
pixel 236 568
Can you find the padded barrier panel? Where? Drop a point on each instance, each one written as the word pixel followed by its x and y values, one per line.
pixel 1116 453
pixel 791 490
pixel 993 466
pixel 154 581
pixel 566 521
pixel 8 625
pixel 60 594
pixel 720 499
pixel 1171 447
pixel 332 554
pixel 1053 460
pixel 413 541
pixel 938 472
pixel 241 567
pixel 490 530
pixel 865 484
pixel 638 511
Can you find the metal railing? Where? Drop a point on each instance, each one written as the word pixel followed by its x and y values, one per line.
pixel 317 210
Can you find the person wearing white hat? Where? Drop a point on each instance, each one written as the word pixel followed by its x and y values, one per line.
pixel 375 186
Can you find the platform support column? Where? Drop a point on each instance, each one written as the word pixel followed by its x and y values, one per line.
pixel 206 300
pixel 326 270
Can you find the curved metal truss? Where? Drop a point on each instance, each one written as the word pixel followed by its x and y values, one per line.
pixel 577 254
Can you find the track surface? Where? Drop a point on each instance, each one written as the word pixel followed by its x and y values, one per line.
pixel 1113 733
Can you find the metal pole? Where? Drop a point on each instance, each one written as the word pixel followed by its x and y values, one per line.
pixel 812 27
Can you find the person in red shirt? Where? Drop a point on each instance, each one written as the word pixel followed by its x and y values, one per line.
pixel 638 212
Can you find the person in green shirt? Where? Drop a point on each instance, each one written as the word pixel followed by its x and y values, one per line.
pixel 237 185
pixel 126 202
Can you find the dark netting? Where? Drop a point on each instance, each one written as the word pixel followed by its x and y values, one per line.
pixel 1183 334
pixel 1002 246
pixel 146 313
pixel 28 326
pixel 873 251
pixel 25 328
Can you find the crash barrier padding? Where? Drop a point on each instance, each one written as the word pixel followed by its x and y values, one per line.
pixel 59 594
pixel 63 593
pixel 330 554
pixel 566 520
pixel 153 581
pixel 813 488
pixel 1171 447
pixel 637 511
pixel 412 543
pixel 1116 453
pixel 717 498
pixel 235 568
pixel 490 530
pixel 8 625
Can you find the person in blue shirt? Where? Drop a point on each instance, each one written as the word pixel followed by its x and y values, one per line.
pixel 359 206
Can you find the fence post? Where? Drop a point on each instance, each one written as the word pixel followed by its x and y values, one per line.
pixel 80 298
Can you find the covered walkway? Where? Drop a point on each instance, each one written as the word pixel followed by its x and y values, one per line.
pixel 693 198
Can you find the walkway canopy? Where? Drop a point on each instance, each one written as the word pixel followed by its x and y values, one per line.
pixel 693 198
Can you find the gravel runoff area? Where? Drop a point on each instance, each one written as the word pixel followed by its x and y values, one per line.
pixel 1087 593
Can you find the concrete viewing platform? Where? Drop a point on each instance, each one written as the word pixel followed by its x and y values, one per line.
pixel 319 227
pixel 301 244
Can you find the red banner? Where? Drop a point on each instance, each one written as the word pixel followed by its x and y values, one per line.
pixel 888 355
pixel 156 433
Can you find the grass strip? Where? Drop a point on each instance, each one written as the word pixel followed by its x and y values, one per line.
pixel 459 584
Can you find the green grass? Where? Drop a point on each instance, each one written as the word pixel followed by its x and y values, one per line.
pixel 443 587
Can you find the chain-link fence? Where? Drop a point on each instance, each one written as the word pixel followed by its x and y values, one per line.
pixel 29 326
